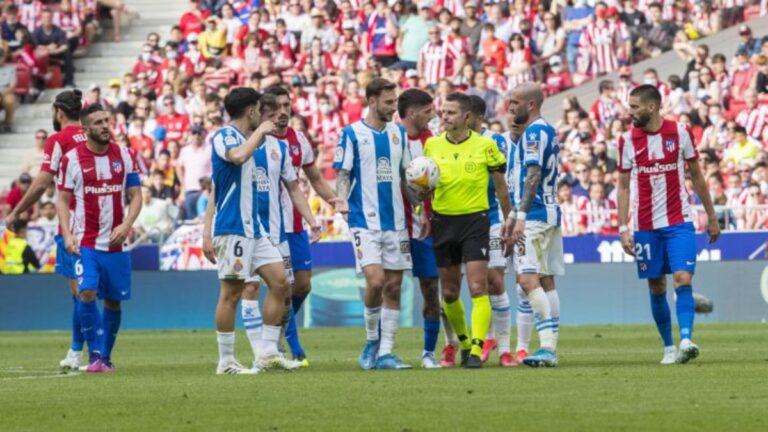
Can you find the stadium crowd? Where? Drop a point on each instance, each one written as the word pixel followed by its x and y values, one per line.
pixel 326 51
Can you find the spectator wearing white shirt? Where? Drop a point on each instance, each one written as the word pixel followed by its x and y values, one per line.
pixel 194 162
pixel 7 91
pixel 156 219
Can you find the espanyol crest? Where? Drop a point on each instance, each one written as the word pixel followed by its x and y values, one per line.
pixel 117 167
pixel 669 144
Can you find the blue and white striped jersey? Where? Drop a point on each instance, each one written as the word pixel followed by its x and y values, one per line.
pixel 511 157
pixel 234 187
pixel 494 211
pixel 273 166
pixel 376 160
pixel 538 145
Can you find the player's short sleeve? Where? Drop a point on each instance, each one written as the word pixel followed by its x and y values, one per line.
pixel 501 143
pixel 687 147
pixel 626 154
pixel 406 149
pixel 307 152
pixel 287 172
pixel 131 168
pixel 69 173
pixel 222 141
pixel 51 155
pixel 343 157
pixel 534 140
pixel 493 157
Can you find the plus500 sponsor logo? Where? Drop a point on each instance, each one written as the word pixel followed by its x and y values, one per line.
pixel 102 190
pixel 657 168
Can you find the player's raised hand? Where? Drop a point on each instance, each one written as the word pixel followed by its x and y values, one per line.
pixel 119 234
pixel 315 230
pixel 208 250
pixel 266 127
pixel 628 243
pixel 713 228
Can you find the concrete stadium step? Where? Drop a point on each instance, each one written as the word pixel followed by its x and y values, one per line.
pixel 140 32
pixel 111 49
pixel 16 140
pixel 104 64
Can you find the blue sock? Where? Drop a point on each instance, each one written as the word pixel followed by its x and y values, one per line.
pixel 292 337
pixel 77 331
pixel 297 301
pixel 111 327
pixel 685 311
pixel 431 331
pixel 662 316
pixel 90 320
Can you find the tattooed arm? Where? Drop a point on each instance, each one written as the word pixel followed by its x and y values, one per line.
pixel 343 186
pixel 531 184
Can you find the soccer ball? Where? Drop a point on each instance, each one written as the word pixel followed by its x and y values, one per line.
pixel 422 174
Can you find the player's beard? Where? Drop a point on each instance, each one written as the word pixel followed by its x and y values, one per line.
pixel 641 120
pixel 522 118
pixel 101 139
pixel 56 125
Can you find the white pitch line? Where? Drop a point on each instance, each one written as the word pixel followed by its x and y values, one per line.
pixel 31 377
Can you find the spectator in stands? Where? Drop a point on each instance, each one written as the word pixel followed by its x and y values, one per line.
pixel 53 40
pixel 414 34
pixel 601 42
pixel 493 99
pixel 742 75
pixel 570 207
pixel 212 42
pixel 213 6
pixel 715 135
pixel 32 163
pixel 558 78
pixel 192 20
pixel 598 213
pixel 318 29
pixel 753 118
pixel 580 188
pixel 175 124
pixel 158 185
pixel 518 67
pixel 606 107
pixel 17 192
pixel 10 23
pixel 743 148
pixel 747 42
pixel 7 91
pixel 438 59
pixel 19 256
pixel 658 34
pixel 194 162
pixel 69 21
pixel 755 218
pixel 576 19
pixel 155 221
pixel 206 186
pixel 47 216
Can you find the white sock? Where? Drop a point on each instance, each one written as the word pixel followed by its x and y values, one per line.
pixel 372 317
pixel 249 309
pixel 491 334
pixel 390 318
pixel 268 342
pixel 501 320
pixel 450 335
pixel 524 320
pixel 226 346
pixel 540 305
pixel 554 309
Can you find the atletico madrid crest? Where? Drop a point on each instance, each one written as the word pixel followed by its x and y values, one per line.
pixel 669 144
pixel 117 167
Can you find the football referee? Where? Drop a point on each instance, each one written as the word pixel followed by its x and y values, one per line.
pixel 460 220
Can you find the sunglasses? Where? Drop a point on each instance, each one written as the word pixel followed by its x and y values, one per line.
pixel 41 137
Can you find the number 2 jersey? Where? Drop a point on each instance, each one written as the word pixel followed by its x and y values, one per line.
pixel 375 160
pixel 273 166
pixel 537 145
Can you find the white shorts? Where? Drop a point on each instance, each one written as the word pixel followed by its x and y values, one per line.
pixel 285 252
pixel 542 252
pixel 496 255
pixel 390 249
pixel 240 257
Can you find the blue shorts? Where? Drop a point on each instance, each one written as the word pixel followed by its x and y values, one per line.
pixel 301 256
pixel 666 250
pixel 65 263
pixel 423 256
pixel 109 273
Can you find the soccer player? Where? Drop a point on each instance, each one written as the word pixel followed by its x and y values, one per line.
pixel 536 236
pixel 369 159
pixel 652 158
pixel 66 122
pixel 501 318
pixel 416 109
pixel 302 157
pixel 461 221
pixel 242 249
pixel 100 176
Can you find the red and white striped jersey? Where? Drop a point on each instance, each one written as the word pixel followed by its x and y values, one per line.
pixel 416 147
pixel 301 153
pixel 516 58
pixel 68 22
pixel 59 144
pixel 623 91
pixel 657 163
pixel 603 111
pixel 30 14
pixel 599 217
pixel 99 183
pixel 437 60
pixel 569 221
pixel 601 42
pixel 753 120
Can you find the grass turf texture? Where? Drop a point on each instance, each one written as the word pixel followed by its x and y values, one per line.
pixel 609 379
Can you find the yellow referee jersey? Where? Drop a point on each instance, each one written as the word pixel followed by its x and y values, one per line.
pixel 464 168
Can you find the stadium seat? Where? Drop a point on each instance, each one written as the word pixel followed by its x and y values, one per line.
pixel 751 12
pixel 56 80
pixel 23 80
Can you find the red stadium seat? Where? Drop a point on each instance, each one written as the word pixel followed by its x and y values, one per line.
pixel 751 12
pixel 23 80
pixel 56 80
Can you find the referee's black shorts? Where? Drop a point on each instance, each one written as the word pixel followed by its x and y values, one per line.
pixel 460 239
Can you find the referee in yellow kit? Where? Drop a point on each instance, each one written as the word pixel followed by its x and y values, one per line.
pixel 460 221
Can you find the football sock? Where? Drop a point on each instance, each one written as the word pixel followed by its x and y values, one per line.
pixel 270 335
pixel 524 320
pixel 685 308
pixel 292 336
pixel 297 301
pixel 431 331
pixel 540 305
pixel 481 320
pixel 77 332
pixel 450 335
pixel 287 309
pixel 249 309
pixel 389 321
pixel 226 343
pixel 501 320
pixel 111 327
pixel 661 314
pixel 90 320
pixel 454 312
pixel 372 316
pixel 554 309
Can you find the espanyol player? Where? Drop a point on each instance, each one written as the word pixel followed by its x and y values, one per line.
pixel 69 134
pixel 100 176
pixel 242 249
pixel 369 159
pixel 652 160
pixel 501 318
pixel 536 237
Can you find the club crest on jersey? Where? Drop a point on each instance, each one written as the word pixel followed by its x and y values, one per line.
pixel 383 170
pixel 274 155
pixel 117 167
pixel 295 149
pixel 230 140
pixel 470 167
pixel 395 140
pixel 643 267
pixel 669 144
pixel 339 156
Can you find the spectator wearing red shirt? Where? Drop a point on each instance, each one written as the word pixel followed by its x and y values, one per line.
pixel 249 28
pixel 598 213
pixel 494 50
pixel 192 20
pixel 326 124
pixel 382 35
pixel 321 60
pixel 557 79
pixel 606 107
pixel 352 107
pixel 146 65
pixel 13 198
pixel 175 124
pixel 742 75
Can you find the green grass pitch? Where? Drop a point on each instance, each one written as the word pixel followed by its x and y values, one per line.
pixel 609 379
